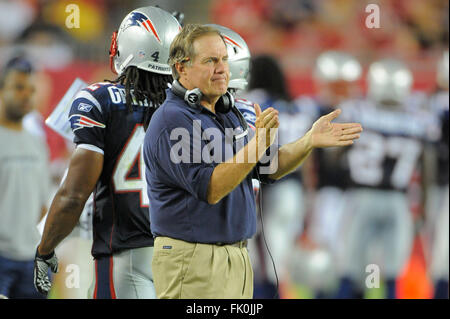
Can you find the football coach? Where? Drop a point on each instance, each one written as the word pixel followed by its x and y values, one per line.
pixel 202 206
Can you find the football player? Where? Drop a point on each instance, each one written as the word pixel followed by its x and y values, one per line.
pixel 438 210
pixel 109 121
pixel 336 76
pixel 377 229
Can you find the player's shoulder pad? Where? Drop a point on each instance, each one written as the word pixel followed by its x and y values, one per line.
pixel 89 106
pixel 244 104
pixel 247 108
pixel 96 96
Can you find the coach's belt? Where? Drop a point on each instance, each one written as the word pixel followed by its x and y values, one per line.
pixel 240 244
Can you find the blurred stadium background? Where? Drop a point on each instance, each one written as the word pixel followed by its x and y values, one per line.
pixel 296 32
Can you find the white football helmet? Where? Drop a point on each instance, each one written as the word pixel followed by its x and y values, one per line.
pixel 313 268
pixel 389 80
pixel 143 40
pixel 238 57
pixel 335 66
pixel 442 71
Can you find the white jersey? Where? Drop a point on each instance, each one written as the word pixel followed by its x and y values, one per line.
pixel 24 191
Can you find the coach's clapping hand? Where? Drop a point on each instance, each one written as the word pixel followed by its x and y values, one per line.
pixel 325 134
pixel 266 125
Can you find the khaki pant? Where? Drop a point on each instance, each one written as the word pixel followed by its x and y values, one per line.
pixel 183 270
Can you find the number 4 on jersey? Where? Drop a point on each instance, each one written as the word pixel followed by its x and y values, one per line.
pixel 132 153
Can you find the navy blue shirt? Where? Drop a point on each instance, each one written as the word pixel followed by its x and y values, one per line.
pixel 178 191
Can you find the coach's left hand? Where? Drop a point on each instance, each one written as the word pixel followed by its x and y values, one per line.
pixel 326 134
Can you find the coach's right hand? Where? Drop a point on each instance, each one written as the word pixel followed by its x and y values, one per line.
pixel 266 125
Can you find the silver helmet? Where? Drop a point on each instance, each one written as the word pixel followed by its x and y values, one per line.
pixel 143 40
pixel 334 66
pixel 238 57
pixel 442 71
pixel 389 80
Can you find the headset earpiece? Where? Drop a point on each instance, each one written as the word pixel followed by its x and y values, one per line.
pixel 192 97
pixel 225 103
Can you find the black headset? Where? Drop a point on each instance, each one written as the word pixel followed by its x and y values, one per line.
pixel 225 103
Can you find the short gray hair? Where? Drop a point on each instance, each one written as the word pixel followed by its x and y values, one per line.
pixel 182 47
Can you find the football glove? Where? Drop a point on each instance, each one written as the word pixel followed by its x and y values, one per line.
pixel 41 264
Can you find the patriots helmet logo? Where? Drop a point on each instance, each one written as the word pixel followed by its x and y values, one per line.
pixel 230 41
pixel 140 19
pixel 78 121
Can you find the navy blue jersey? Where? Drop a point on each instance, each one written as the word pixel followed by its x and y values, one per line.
pixel 443 159
pixel 439 106
pixel 390 147
pixel 101 121
pixel 329 163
